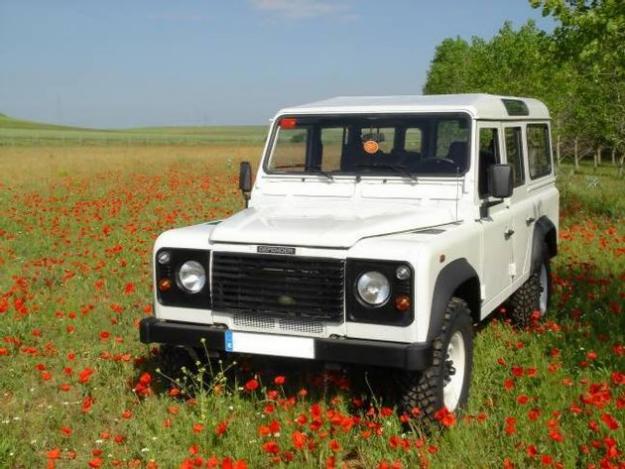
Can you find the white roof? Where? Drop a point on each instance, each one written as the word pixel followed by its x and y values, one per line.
pixel 479 106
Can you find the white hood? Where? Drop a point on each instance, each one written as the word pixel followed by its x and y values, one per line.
pixel 337 224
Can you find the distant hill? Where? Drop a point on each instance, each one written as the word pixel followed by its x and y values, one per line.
pixel 23 132
pixel 7 122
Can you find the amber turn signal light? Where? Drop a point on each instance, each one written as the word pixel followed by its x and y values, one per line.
pixel 402 303
pixel 164 284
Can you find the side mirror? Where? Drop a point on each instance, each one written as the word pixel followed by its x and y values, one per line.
pixel 500 184
pixel 245 180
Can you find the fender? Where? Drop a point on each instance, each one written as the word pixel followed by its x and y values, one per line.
pixel 452 276
pixel 544 236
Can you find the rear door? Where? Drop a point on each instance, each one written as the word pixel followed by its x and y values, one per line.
pixel 497 225
pixel 521 205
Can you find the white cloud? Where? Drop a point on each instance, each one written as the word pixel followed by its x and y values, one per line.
pixel 301 8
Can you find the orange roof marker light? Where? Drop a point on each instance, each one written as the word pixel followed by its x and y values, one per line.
pixel 288 123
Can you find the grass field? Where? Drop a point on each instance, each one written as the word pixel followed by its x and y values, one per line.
pixel 16 132
pixel 77 388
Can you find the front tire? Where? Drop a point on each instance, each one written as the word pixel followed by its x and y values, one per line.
pixel 171 362
pixel 446 382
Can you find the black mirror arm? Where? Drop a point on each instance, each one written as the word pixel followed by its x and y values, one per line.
pixel 486 204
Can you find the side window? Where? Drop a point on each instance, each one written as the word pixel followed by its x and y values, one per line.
pixel 289 152
pixel 413 140
pixel 514 153
pixel 331 148
pixel 538 152
pixel 489 155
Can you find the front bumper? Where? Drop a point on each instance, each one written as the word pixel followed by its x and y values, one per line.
pixel 353 351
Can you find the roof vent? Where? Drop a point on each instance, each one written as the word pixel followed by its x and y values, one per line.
pixel 516 107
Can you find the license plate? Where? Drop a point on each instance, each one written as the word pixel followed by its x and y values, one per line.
pixel 266 344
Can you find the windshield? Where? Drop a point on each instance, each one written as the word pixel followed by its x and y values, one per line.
pixel 370 145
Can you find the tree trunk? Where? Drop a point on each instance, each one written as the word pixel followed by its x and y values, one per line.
pixel 576 154
pixel 621 164
pixel 599 155
pixel 614 156
pixel 558 154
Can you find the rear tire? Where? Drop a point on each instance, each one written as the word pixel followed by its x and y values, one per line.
pixel 446 382
pixel 533 295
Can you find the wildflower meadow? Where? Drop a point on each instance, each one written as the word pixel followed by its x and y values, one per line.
pixel 78 389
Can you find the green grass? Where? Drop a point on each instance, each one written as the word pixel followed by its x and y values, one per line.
pixel 76 233
pixel 16 132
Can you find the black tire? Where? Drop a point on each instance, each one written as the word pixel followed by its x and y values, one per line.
pixel 527 298
pixel 171 361
pixel 424 390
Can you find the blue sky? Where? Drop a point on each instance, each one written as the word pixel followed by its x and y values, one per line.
pixel 156 62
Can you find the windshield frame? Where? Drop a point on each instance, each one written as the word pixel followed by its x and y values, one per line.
pixel 386 174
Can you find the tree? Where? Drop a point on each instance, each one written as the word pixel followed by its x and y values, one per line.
pixel 592 34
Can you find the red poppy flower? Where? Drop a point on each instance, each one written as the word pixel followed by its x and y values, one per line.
pixel 85 375
pixel 334 445
pixel 87 403
pixel 54 453
pixel 251 385
pixel 279 380
pixel 610 421
pixel 271 447
pixel 445 417
pixel 221 428
pixel 299 439
pixel 510 426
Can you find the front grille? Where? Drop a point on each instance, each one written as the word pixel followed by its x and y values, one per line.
pixel 282 286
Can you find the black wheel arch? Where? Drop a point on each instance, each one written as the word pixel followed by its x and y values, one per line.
pixel 459 279
pixel 545 239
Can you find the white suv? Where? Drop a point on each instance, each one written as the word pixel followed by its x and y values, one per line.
pixel 379 231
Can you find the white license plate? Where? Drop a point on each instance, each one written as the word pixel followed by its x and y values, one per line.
pixel 267 344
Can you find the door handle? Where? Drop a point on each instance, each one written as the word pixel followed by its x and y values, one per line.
pixel 509 232
pixel 530 220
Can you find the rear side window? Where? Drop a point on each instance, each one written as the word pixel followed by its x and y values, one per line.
pixel 514 154
pixel 539 154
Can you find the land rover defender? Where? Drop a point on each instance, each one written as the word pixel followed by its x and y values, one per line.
pixel 378 231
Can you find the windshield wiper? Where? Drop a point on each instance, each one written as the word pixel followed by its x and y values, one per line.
pixel 395 167
pixel 322 173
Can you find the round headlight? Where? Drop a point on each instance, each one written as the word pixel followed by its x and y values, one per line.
pixel 373 288
pixel 191 276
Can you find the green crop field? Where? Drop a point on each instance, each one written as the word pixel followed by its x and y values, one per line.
pixel 77 224
pixel 15 132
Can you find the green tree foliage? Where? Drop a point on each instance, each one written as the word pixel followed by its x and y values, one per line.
pixel 578 70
